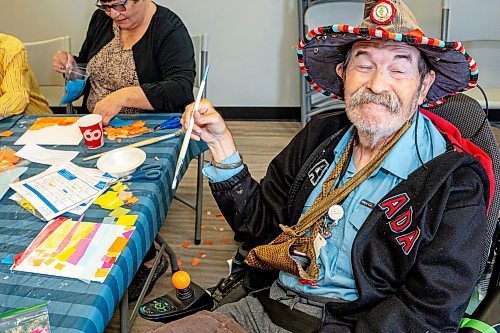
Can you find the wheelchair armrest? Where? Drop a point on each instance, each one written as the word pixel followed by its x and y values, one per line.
pixel 488 310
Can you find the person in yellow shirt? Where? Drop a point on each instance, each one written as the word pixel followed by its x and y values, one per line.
pixel 19 90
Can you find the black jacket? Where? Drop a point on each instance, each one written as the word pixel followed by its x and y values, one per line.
pixel 417 257
pixel 164 58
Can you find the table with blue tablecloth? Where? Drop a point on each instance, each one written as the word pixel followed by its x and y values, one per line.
pixel 74 305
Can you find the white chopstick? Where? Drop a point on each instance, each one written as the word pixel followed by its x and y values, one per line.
pixel 187 135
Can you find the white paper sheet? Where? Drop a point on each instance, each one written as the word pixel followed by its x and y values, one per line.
pixel 37 154
pixel 59 189
pixel 8 176
pixel 53 135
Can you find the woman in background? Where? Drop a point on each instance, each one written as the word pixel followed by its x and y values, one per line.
pixel 140 57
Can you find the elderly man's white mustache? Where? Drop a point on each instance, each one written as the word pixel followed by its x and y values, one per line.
pixel 386 98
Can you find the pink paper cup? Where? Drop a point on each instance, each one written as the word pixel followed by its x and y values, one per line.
pixel 91 128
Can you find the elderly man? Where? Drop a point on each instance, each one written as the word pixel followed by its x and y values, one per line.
pixel 369 219
pixel 19 91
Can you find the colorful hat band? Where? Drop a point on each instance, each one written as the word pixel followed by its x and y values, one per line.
pixel 415 39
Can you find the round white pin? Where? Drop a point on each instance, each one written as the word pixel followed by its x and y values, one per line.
pixel 336 212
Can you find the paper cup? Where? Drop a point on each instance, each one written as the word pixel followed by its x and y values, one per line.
pixel 91 128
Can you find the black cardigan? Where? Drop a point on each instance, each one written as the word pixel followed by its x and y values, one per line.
pixel 164 58
pixel 415 267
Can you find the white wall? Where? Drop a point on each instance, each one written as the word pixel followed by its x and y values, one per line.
pixel 251 54
pixel 251 43
pixel 33 20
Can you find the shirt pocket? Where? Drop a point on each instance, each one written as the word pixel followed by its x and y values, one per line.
pixel 355 222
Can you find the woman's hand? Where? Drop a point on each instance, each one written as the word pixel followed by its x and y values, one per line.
pixel 110 106
pixel 61 61
pixel 211 128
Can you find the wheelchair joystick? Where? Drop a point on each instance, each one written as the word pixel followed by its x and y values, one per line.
pixel 181 281
pixel 186 298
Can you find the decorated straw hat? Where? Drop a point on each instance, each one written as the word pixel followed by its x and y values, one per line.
pixel 324 48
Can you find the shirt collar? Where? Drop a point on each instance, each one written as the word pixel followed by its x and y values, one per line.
pixel 400 161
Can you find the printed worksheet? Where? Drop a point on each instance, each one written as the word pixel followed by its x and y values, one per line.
pixel 59 189
pixel 104 176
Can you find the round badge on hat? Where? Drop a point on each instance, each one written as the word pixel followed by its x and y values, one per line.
pixel 383 12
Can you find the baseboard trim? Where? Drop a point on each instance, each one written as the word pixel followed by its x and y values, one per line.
pixel 287 113
pixel 240 113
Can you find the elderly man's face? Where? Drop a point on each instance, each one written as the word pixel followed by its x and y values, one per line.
pixel 382 85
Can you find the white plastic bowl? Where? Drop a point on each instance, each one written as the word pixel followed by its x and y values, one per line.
pixel 121 163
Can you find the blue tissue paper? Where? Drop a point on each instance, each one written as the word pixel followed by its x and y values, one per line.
pixel 117 122
pixel 8 260
pixel 73 91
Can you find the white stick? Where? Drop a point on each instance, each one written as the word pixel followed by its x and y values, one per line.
pixel 187 135
pixel 138 144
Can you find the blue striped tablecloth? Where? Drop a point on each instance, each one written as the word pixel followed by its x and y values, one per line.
pixel 76 306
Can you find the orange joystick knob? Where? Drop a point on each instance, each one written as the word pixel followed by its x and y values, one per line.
pixel 181 281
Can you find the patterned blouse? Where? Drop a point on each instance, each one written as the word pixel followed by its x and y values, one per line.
pixel 111 69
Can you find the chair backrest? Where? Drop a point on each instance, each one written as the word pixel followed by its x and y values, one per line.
pixel 468 116
pixel 40 60
pixel 200 44
pixel 481 40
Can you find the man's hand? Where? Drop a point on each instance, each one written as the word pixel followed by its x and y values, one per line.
pixel 211 128
pixel 61 61
pixel 110 106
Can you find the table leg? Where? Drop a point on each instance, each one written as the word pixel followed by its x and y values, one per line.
pixel 199 200
pixel 124 328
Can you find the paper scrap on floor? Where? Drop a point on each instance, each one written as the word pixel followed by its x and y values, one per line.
pixel 59 189
pixel 52 131
pixel 34 153
pixel 81 250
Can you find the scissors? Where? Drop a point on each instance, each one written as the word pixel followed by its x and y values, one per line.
pixel 170 122
pixel 147 172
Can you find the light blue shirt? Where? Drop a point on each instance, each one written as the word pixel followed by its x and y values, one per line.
pixel 216 175
pixel 336 277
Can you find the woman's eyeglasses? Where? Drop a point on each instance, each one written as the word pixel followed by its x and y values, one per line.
pixel 118 6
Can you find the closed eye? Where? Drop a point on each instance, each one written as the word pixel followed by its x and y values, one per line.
pixel 364 67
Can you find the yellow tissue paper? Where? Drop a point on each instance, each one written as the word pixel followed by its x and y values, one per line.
pixel 127 220
pixel 105 198
pixel 119 212
pixel 119 187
